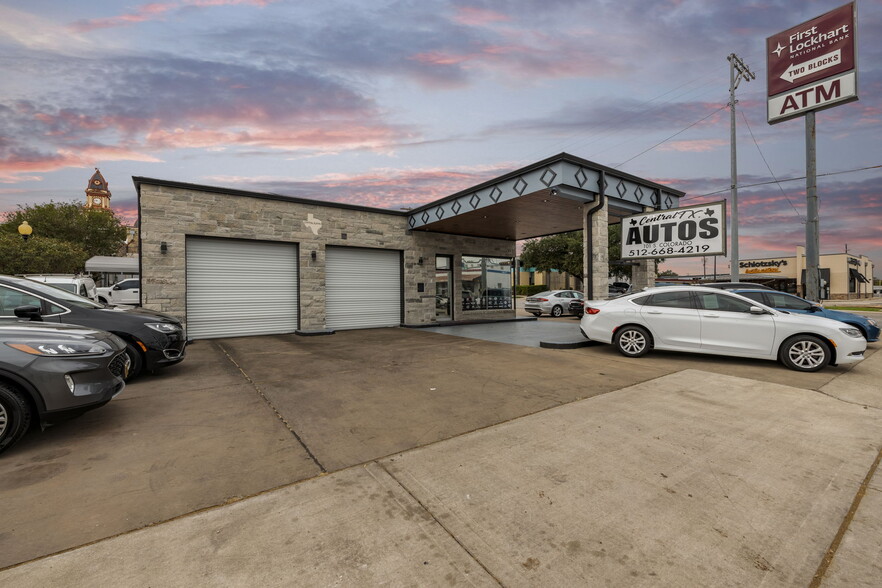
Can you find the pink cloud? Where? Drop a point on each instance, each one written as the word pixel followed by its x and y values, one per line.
pixel 471 16
pixel 694 146
pixel 154 11
pixel 18 169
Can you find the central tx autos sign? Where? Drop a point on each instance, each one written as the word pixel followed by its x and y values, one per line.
pixel 691 231
pixel 812 65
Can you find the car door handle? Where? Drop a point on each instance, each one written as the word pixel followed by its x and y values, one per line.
pixel 654 312
pixel 711 315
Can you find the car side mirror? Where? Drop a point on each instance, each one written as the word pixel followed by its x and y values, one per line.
pixel 757 310
pixel 816 308
pixel 29 312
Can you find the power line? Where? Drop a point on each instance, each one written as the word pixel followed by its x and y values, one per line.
pixel 801 218
pixel 671 137
pixel 847 171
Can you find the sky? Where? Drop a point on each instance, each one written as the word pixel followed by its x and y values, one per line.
pixel 394 104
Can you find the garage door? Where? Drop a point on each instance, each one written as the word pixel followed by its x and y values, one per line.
pixel 362 288
pixel 237 288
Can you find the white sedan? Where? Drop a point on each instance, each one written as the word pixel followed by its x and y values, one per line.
pixel 717 322
pixel 553 302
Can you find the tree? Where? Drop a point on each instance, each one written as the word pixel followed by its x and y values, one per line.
pixel 39 255
pixel 563 252
pixel 668 274
pixel 65 236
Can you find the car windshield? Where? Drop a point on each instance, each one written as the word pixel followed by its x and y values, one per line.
pixel 55 292
pixel 68 287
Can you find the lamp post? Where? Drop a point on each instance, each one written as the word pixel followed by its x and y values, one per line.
pixel 25 230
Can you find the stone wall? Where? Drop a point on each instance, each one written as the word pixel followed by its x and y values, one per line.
pixel 171 213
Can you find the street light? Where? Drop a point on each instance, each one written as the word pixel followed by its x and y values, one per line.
pixel 25 230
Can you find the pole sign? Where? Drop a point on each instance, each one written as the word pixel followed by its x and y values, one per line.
pixel 812 66
pixel 691 231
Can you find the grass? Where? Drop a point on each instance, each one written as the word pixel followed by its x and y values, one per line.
pixel 855 308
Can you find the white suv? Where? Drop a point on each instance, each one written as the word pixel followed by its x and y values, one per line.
pixel 81 285
pixel 124 292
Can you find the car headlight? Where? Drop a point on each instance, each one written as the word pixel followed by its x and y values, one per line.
pixel 163 327
pixel 852 332
pixel 59 348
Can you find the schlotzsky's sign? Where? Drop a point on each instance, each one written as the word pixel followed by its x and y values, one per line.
pixel 691 231
pixel 812 66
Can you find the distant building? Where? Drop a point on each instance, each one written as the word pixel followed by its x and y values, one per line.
pixel 98 198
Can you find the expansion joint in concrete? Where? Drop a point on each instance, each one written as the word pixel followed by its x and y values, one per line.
pixel 818 578
pixel 440 524
pixel 273 408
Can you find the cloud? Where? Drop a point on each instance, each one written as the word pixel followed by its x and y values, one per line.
pixel 155 11
pixel 150 104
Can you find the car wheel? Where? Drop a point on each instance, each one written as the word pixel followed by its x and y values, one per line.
pixel 557 310
pixel 536 313
pixel 632 341
pixel 102 300
pixel 137 361
pixel 805 353
pixel 15 417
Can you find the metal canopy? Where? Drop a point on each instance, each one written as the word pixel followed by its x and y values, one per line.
pixel 544 198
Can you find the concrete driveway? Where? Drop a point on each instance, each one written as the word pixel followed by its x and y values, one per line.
pixel 475 461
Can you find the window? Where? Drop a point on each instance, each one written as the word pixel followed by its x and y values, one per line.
pixel 672 300
pixel 11 299
pixel 486 283
pixel 640 300
pixel 756 296
pixel 788 302
pixel 723 302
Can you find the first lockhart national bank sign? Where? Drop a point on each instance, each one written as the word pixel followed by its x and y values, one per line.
pixel 812 66
pixel 691 231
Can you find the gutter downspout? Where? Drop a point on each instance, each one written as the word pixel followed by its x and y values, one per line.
pixel 589 236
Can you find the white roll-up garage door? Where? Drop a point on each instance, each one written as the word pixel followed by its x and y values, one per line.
pixel 237 288
pixel 362 288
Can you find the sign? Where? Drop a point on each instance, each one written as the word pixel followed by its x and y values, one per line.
pixel 691 231
pixel 812 66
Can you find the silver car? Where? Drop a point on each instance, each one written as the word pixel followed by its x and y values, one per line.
pixel 55 372
pixel 553 302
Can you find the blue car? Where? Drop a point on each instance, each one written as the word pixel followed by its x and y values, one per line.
pixel 783 301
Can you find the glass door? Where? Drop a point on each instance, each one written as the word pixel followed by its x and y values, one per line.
pixel 443 287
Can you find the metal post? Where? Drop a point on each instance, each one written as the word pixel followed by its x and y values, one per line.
pixel 812 237
pixel 733 250
pixel 743 73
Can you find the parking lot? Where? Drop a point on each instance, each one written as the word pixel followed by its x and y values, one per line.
pixel 419 413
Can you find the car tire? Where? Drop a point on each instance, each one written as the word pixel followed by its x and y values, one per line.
pixel 633 341
pixel 557 310
pixel 15 416
pixel 102 300
pixel 536 313
pixel 137 361
pixel 805 353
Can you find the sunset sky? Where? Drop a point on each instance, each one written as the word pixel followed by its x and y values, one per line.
pixel 397 103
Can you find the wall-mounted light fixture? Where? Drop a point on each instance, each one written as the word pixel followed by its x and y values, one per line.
pixel 25 230
pixel 420 261
pixel 313 255
pixel 163 247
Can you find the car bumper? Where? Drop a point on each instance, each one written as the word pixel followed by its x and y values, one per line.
pixel 163 349
pixel 96 380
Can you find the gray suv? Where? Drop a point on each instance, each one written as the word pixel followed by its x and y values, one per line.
pixel 55 372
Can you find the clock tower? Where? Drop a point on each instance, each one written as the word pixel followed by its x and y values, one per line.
pixel 97 194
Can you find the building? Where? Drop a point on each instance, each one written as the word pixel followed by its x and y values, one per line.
pixel 843 275
pixel 232 262
pixel 98 198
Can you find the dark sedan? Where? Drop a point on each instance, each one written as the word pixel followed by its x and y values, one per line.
pixel 153 339
pixel 55 372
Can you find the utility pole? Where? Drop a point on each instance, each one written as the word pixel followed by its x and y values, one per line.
pixel 737 71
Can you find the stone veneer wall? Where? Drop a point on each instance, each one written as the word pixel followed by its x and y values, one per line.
pixel 170 214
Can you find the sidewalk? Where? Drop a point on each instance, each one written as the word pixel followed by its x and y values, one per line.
pixel 689 479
